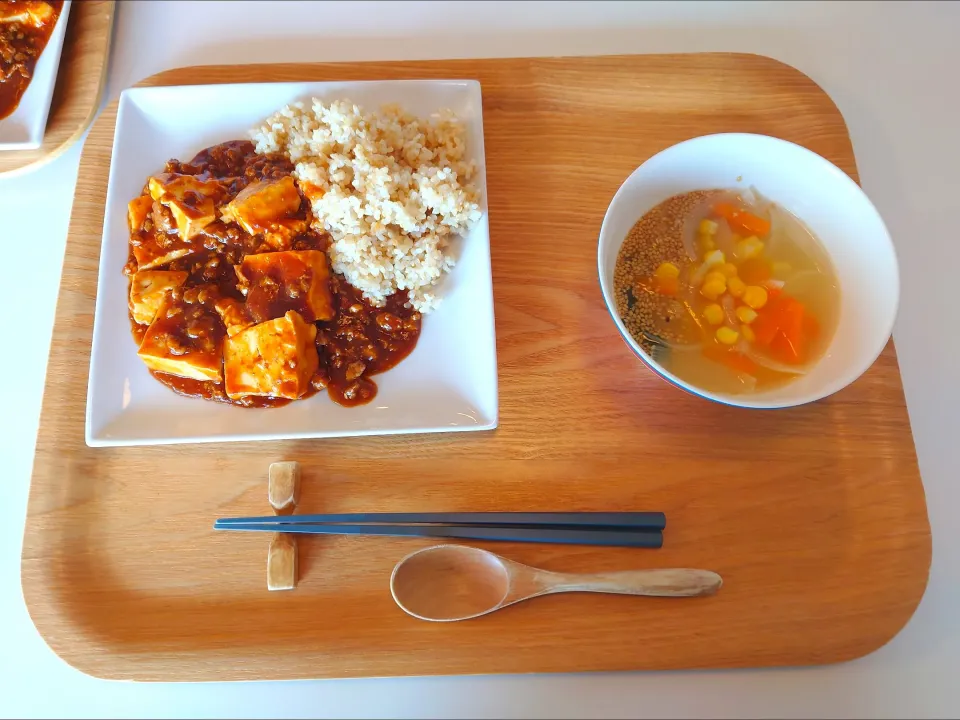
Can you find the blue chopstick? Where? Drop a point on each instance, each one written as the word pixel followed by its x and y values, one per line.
pixel 632 520
pixel 506 533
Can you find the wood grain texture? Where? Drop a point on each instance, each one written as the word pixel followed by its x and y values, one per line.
pixel 814 516
pixel 80 81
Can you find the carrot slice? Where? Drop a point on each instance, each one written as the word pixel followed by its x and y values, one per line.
pixel 782 350
pixel 789 343
pixel 739 362
pixel 749 224
pixel 791 323
pixel 742 221
pixel 785 328
pixel 725 210
pixel 733 359
pixel 767 324
pixel 783 315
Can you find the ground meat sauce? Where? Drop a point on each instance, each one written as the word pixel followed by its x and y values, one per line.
pixel 362 340
pixel 21 44
pixel 359 341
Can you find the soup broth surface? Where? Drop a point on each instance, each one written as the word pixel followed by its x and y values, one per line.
pixel 729 292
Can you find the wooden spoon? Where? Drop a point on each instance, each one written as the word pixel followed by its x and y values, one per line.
pixel 444 583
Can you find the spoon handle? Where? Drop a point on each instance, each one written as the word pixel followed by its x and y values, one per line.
pixel 680 582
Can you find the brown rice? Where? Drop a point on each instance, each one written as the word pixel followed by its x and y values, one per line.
pixel 390 188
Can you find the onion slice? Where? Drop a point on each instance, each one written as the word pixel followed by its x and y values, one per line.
pixel 786 223
pixel 731 311
pixel 672 347
pixel 771 364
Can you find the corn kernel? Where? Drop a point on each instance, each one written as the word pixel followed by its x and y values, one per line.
pixel 736 286
pixel 727 336
pixel 748 333
pixel 730 270
pixel 708 227
pixel 748 248
pixel 714 257
pixel 715 275
pixel 705 244
pixel 713 289
pixel 746 314
pixel 713 314
pixel 755 296
pixel 667 270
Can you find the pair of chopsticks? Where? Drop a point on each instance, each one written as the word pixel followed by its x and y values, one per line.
pixel 620 529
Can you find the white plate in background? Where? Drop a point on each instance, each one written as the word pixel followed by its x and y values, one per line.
pixel 448 383
pixel 23 129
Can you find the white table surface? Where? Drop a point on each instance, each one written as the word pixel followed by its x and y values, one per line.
pixel 892 70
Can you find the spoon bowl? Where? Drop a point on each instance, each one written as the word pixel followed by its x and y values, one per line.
pixel 446 583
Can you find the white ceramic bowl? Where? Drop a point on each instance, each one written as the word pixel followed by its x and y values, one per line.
pixel 824 197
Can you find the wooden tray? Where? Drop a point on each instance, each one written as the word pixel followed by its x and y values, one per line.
pixel 80 81
pixel 814 516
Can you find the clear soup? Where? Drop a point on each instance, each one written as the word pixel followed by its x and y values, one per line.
pixel 729 292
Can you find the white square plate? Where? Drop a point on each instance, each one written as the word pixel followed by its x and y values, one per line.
pixel 23 129
pixel 448 383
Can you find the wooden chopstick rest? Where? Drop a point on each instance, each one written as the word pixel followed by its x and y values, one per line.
pixel 282 562
pixel 283 491
pixel 283 487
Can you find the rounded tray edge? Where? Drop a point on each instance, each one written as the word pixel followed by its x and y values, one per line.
pixel 809 80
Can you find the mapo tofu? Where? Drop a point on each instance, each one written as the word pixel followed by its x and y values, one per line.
pixel 192 202
pixel 25 29
pixel 277 358
pixel 183 340
pixel 149 289
pixel 231 294
pixel 276 282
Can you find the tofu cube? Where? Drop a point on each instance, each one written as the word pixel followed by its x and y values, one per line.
pixel 151 255
pixel 276 358
pixel 36 14
pixel 168 345
pixel 156 184
pixel 282 563
pixel 261 204
pixel 149 289
pixel 234 314
pixel 281 233
pixel 289 280
pixel 191 204
pixel 137 211
pixel 191 201
pixel 162 244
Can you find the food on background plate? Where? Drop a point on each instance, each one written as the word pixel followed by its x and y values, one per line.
pixel 727 291
pixel 25 29
pixel 261 274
